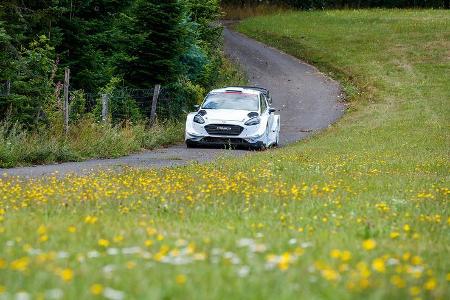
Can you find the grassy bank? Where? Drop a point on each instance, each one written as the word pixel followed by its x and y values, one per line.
pixel 86 139
pixel 360 211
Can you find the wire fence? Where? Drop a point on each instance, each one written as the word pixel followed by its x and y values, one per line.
pixel 142 98
pixel 121 104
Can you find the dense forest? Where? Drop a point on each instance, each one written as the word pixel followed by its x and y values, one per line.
pixel 319 4
pixel 108 45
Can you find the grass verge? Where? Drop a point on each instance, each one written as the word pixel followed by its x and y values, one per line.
pixel 360 211
pixel 86 139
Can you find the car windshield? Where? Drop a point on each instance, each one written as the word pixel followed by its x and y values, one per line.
pixel 239 101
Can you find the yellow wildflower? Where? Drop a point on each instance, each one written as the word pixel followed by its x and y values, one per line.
pixel 406 228
pixel 285 259
pixel 346 255
pixel 118 239
pixel 66 275
pixel 42 230
pixel 180 279
pixel 335 253
pixel 363 269
pixel 96 289
pixel 398 281
pixel 71 229
pixel 369 244
pixel 20 264
pixel 103 243
pixel 131 265
pixel 378 265
pixel 416 260
pixel 406 256
pixel 364 283
pixel 151 231
pixel 330 274
pixel 394 235
pixel 90 220
pixel 430 284
pixel 299 251
pixel 414 291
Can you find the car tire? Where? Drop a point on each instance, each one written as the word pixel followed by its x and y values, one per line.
pixel 260 146
pixel 277 141
pixel 190 144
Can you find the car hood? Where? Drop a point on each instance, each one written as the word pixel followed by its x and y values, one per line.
pixel 214 115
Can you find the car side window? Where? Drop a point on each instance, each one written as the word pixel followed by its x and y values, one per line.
pixel 263 103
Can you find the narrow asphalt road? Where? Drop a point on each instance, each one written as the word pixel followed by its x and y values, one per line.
pixel 308 101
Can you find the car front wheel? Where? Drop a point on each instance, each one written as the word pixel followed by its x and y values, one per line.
pixel 190 144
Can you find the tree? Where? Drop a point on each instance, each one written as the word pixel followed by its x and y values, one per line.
pixel 30 71
pixel 159 35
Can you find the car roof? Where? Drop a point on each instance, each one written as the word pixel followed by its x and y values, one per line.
pixel 247 90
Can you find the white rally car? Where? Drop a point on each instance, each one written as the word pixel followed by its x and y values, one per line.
pixel 239 116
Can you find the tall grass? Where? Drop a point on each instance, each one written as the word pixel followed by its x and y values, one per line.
pixel 85 139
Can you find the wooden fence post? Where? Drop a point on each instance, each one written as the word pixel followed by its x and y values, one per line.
pixel 154 102
pixel 105 100
pixel 66 100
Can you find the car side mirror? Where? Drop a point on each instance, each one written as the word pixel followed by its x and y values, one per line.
pixel 272 110
pixel 196 106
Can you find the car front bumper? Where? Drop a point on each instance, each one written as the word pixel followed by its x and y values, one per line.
pixel 225 141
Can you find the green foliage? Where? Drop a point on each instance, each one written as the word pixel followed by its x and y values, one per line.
pixel 30 72
pixel 77 107
pixel 182 94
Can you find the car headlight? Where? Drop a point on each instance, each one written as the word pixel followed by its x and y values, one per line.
pixel 253 121
pixel 198 119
